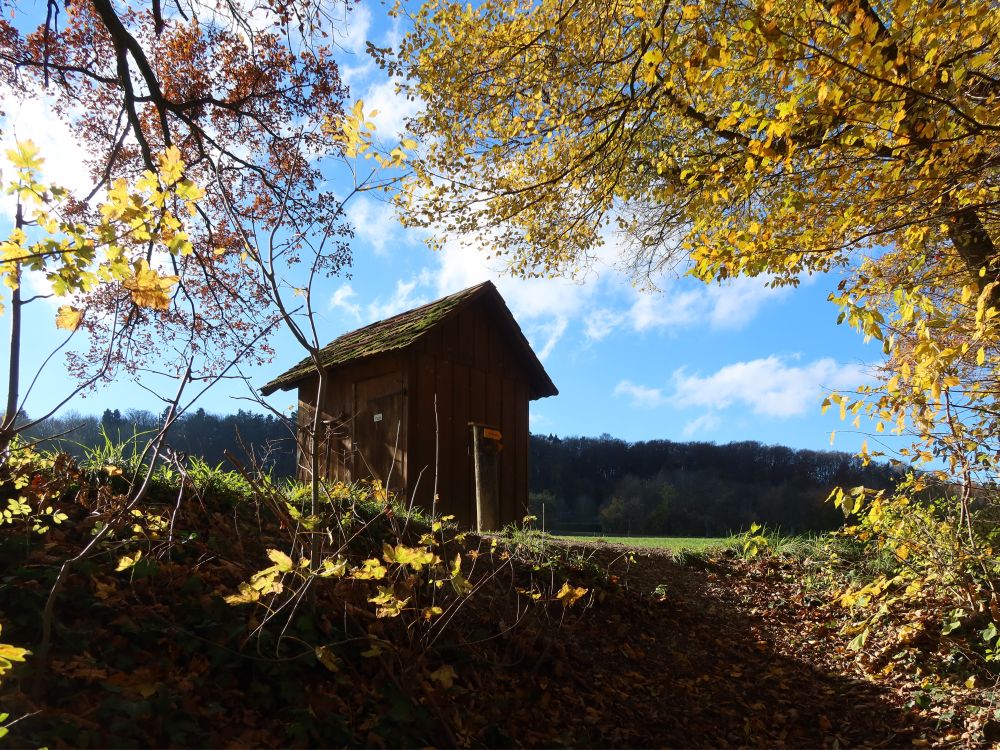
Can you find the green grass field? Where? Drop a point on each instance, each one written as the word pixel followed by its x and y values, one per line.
pixel 676 543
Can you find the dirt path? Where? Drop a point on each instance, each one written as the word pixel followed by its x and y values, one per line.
pixel 717 659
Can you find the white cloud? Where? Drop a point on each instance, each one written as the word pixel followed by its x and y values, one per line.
pixel 548 308
pixel 358 23
pixel 601 322
pixel 665 310
pixel 343 299
pixel 736 303
pixel 553 333
pixel 728 306
pixel 393 109
pixel 375 223
pixel 705 423
pixel 405 297
pixel 641 395
pixel 768 386
pixel 536 421
pixel 544 307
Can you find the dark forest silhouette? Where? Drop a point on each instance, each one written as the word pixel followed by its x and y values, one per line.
pixel 577 483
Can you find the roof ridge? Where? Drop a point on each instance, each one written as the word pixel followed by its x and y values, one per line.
pixel 398 332
pixel 404 313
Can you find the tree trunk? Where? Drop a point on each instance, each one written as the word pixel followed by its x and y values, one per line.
pixel 976 247
pixel 8 426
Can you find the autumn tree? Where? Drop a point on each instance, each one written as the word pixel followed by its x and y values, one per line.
pixel 244 95
pixel 775 138
pixel 78 258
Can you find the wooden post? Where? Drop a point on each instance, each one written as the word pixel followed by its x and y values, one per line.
pixel 486 449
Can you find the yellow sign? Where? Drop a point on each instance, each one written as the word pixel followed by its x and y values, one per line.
pixel 491 434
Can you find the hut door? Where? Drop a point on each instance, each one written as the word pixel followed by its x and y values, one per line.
pixel 380 430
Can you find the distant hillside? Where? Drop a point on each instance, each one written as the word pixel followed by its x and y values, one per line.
pixel 196 434
pixel 690 489
pixel 651 487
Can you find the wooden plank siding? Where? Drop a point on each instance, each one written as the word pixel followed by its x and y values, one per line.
pixel 469 371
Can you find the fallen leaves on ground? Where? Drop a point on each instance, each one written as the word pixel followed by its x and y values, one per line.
pixel 608 649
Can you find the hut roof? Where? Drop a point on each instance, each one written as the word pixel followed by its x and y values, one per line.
pixel 405 329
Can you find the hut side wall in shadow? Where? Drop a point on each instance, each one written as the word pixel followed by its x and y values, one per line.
pixel 359 392
pixel 464 370
pixel 468 371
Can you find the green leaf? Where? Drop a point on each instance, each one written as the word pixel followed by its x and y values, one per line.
pixel 858 642
pixel 951 627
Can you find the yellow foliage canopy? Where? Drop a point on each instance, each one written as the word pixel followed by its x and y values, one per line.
pixel 773 138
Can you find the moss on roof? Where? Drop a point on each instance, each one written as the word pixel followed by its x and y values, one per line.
pixel 391 334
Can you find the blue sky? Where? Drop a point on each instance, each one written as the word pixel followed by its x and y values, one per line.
pixel 691 362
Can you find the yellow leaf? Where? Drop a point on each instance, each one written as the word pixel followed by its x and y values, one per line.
pixel 127 562
pixel 569 595
pixel 279 558
pixel 248 595
pixel 444 676
pixel 653 57
pixel 25 156
pixel 370 570
pixel 148 288
pixel 430 613
pixel 333 568
pixel 414 557
pixel 68 318
pixel 327 658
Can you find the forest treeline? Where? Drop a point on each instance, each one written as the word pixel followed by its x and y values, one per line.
pixel 690 489
pixel 578 483
pixel 261 438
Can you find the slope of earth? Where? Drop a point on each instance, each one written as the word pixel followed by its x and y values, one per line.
pixel 499 644
pixel 734 652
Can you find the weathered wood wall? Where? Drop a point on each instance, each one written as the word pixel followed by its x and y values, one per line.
pixel 341 412
pixel 477 376
pixel 468 370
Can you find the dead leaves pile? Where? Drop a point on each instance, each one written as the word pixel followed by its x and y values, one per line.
pixel 535 652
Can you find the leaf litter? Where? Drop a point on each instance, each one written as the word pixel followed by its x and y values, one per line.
pixel 577 645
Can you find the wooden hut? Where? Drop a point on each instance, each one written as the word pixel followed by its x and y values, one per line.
pixel 433 403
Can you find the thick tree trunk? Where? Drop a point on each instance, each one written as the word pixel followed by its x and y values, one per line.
pixel 976 247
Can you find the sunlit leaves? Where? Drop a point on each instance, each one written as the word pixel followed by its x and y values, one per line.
pixel 10 654
pixel 356 131
pixel 128 561
pixel 282 562
pixel 569 595
pixel 387 603
pixel 68 317
pixel 149 288
pixel 370 569
pixel 247 595
pixel 414 557
pixel 76 258
pixel 459 583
